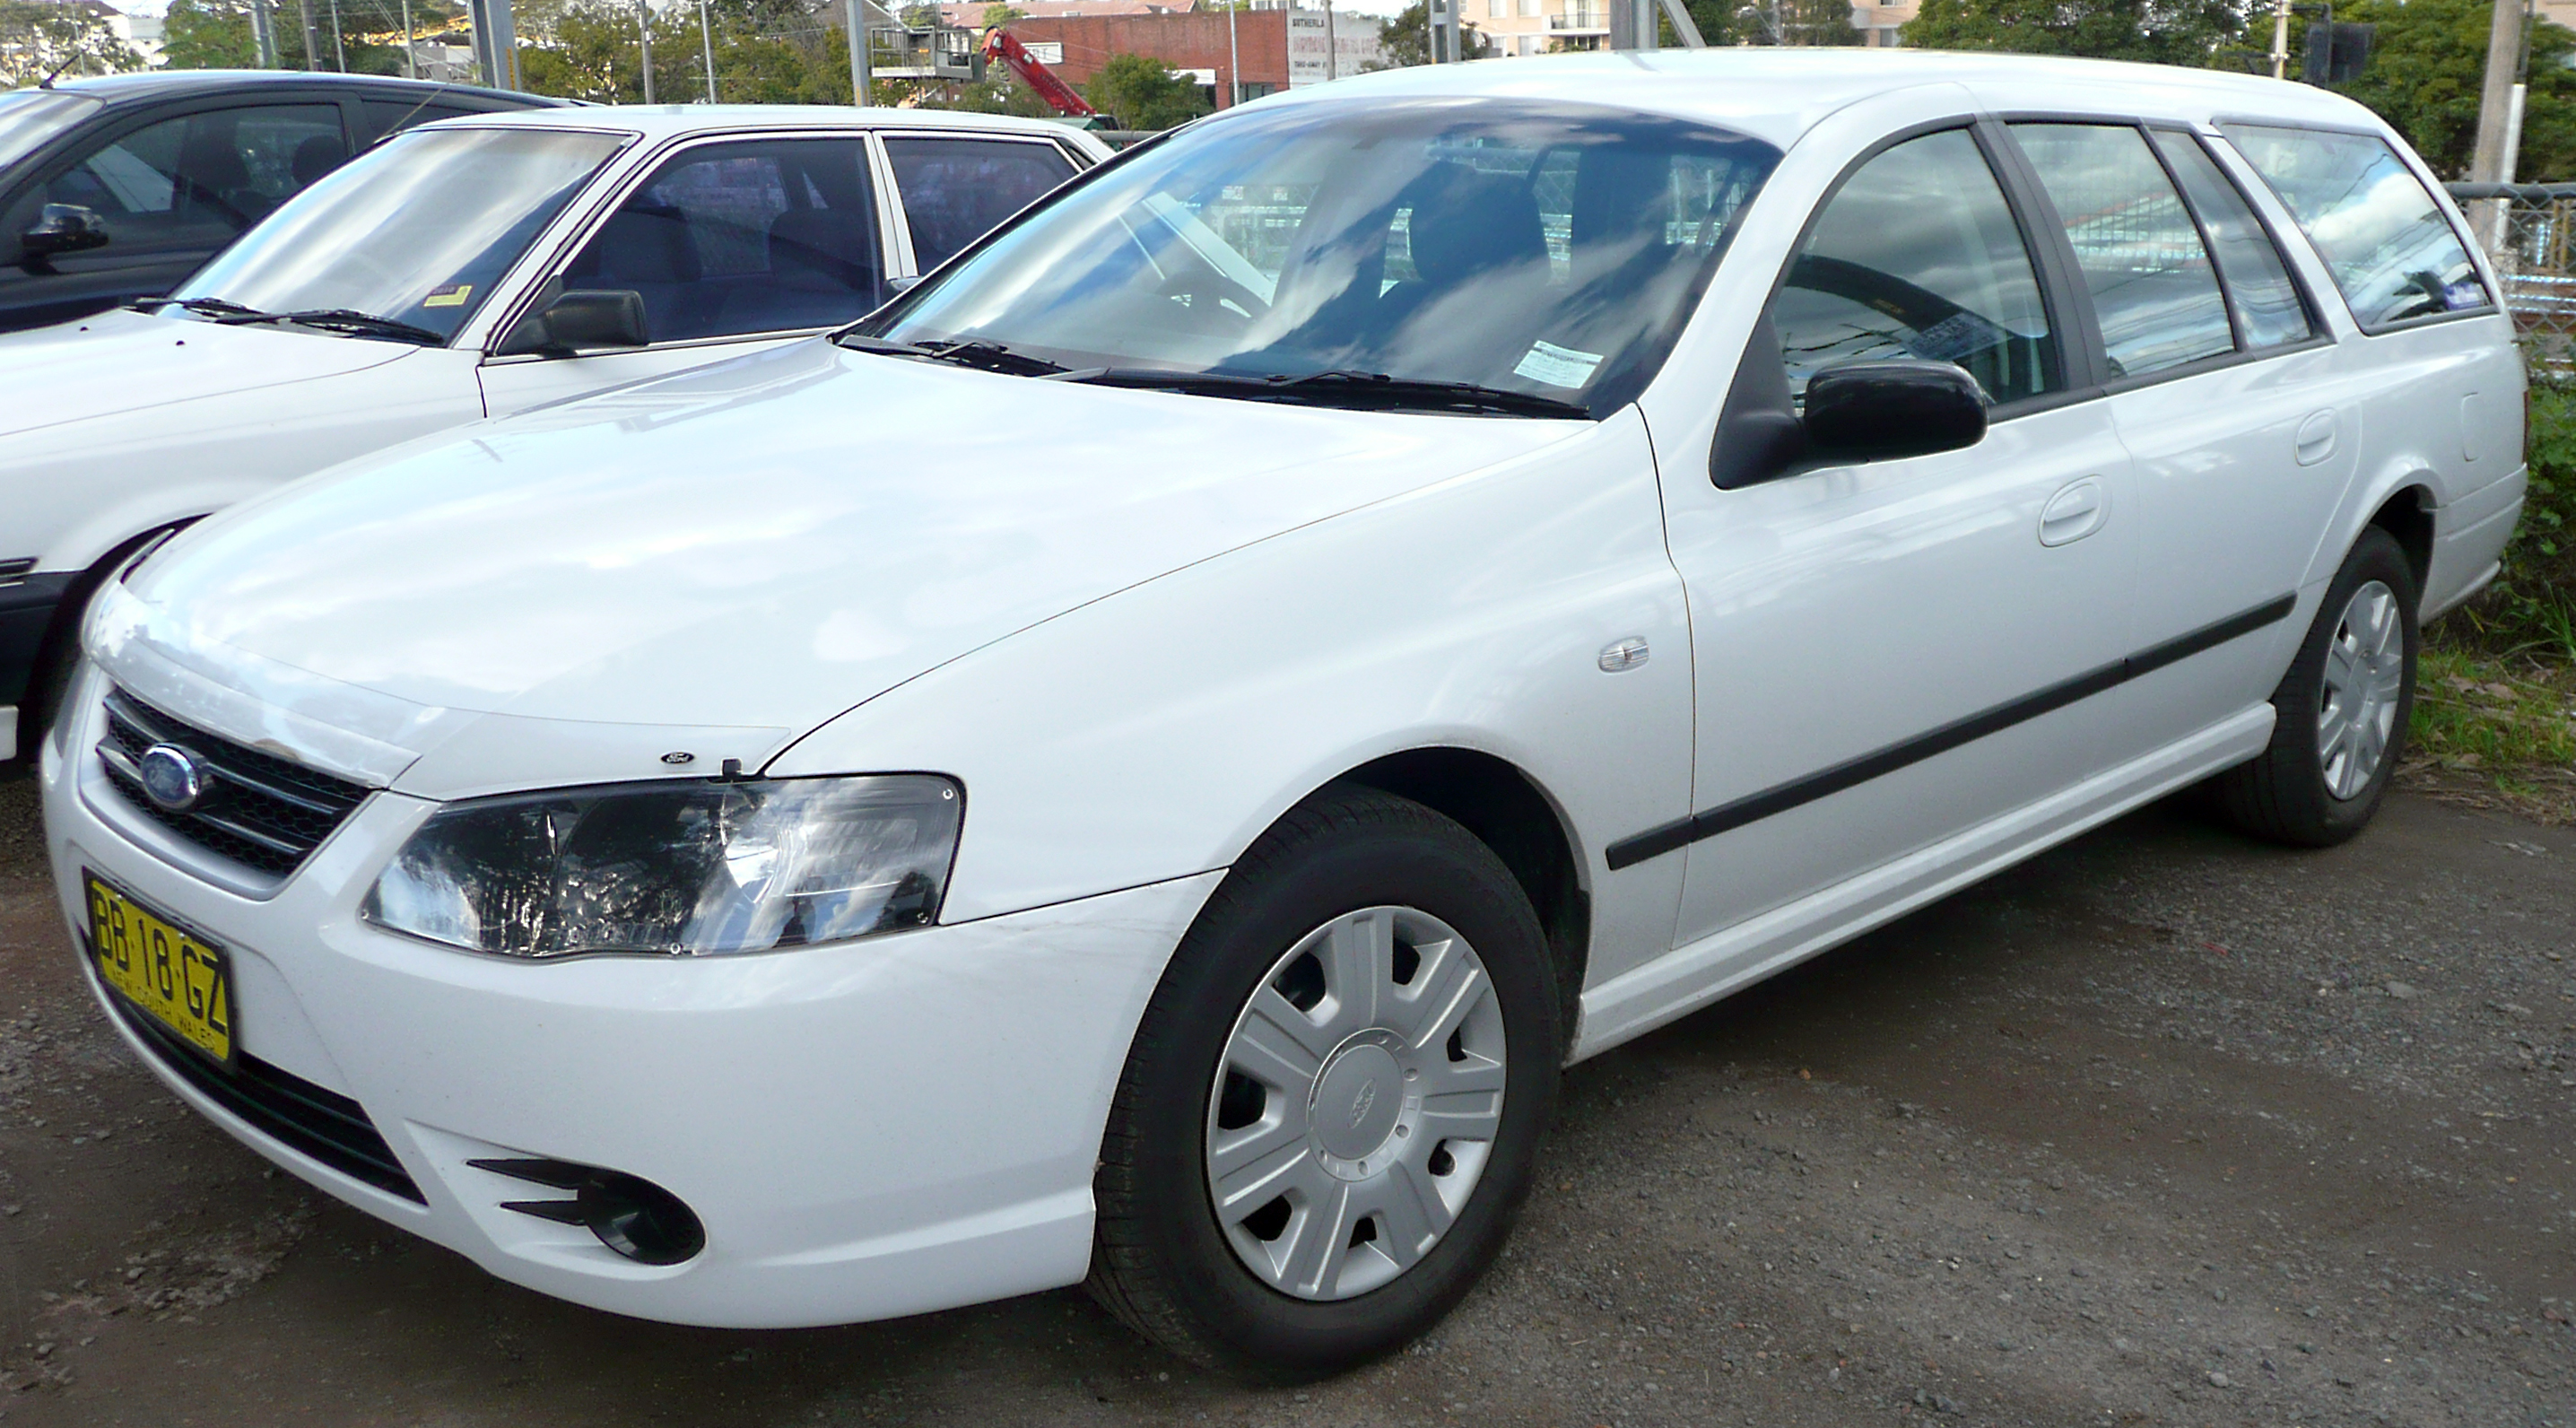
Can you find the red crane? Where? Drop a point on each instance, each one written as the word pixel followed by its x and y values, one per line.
pixel 1001 45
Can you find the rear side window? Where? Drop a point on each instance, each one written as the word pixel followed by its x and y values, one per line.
pixel 2268 310
pixel 1917 255
pixel 955 190
pixel 2153 285
pixel 390 116
pixel 2392 253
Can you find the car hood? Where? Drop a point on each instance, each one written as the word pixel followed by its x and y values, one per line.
pixel 714 563
pixel 118 363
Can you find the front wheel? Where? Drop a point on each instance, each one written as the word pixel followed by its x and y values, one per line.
pixel 1335 1098
pixel 2342 708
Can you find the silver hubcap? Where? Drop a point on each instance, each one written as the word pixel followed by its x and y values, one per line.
pixel 2365 671
pixel 1357 1103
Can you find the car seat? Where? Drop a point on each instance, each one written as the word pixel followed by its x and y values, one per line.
pixel 648 249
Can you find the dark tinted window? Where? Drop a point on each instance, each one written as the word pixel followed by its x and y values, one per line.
pixel 2258 284
pixel 957 190
pixel 200 179
pixel 730 239
pixel 2154 289
pixel 1917 255
pixel 2392 253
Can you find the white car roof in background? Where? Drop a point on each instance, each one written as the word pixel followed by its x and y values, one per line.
pixel 1778 94
pixel 656 122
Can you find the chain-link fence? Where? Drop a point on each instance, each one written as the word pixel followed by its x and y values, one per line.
pixel 2529 231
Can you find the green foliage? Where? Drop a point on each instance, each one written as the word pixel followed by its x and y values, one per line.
pixel 211 34
pixel 767 52
pixel 2533 603
pixel 998 14
pixel 1406 39
pixel 2427 63
pixel 999 92
pixel 1142 94
pixel 40 40
pixel 216 34
pixel 2185 32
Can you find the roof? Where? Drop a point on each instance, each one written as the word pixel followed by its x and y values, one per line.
pixel 1777 94
pixel 157 84
pixel 666 121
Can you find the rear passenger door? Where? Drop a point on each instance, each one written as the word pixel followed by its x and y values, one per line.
pixel 2221 386
pixel 733 245
pixel 955 188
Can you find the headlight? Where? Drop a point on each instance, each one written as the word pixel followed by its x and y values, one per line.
pixel 685 869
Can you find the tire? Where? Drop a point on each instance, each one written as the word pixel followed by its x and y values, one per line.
pixel 1351 879
pixel 2349 692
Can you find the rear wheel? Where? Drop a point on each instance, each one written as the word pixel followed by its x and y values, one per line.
pixel 2342 708
pixel 1331 1110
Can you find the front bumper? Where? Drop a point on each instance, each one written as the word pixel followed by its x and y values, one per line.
pixel 877 1128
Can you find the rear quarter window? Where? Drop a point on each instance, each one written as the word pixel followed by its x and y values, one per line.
pixel 2393 254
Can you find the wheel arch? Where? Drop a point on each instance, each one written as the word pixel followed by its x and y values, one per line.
pixel 1509 812
pixel 2407 515
pixel 62 632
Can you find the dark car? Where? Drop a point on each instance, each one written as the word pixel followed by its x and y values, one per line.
pixel 115 188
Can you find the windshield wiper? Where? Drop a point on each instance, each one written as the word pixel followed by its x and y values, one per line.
pixel 367 324
pixel 233 314
pixel 1372 391
pixel 979 354
pixel 202 306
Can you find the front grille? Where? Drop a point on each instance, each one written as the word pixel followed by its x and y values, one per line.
pixel 258 810
pixel 324 1125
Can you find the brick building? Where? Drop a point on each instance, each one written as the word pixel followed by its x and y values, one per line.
pixel 1278 48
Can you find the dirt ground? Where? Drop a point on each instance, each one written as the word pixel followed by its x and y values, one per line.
pixel 2163 1127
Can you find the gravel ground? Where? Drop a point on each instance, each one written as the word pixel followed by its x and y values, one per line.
pixel 2164 1127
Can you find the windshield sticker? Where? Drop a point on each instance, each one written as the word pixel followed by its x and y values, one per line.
pixel 452 295
pixel 1557 366
pixel 1956 336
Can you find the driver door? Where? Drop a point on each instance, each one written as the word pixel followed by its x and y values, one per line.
pixel 1883 651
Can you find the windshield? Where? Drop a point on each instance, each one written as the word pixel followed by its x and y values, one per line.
pixel 417 231
pixel 28 117
pixel 1543 250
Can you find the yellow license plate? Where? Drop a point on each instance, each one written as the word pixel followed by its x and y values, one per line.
pixel 177 978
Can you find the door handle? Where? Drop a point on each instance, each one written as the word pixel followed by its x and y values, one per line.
pixel 2076 511
pixel 2316 438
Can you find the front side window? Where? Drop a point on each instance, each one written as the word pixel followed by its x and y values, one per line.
pixel 417 232
pixel 1545 252
pixel 957 190
pixel 2392 253
pixel 2154 289
pixel 200 179
pixel 1917 255
pixel 725 240
pixel 2268 310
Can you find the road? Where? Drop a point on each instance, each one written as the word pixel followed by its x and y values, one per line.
pixel 2164 1127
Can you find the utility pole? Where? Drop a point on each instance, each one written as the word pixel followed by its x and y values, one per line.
pixel 263 33
pixel 312 36
pixel 1333 44
pixel 411 47
pixel 859 52
pixel 644 27
pixel 2281 39
pixel 339 48
pixel 2504 53
pixel 1233 57
pixel 707 38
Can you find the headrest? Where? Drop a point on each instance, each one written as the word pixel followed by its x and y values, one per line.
pixel 1467 222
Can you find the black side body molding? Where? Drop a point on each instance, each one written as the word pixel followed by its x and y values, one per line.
pixel 1851 773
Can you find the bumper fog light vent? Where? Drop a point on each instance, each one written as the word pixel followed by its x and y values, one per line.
pixel 630 1215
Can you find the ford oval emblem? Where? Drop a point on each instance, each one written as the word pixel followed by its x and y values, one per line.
pixel 173 778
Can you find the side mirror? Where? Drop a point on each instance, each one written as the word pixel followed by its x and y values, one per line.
pixel 1878 411
pixel 576 321
pixel 64 228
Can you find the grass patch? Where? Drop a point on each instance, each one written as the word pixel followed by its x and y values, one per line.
pixel 2505 722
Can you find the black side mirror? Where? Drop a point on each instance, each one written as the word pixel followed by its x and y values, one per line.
pixel 64 228
pixel 581 320
pixel 1878 411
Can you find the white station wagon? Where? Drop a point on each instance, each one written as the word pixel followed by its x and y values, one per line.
pixel 472 268
pixel 1142 761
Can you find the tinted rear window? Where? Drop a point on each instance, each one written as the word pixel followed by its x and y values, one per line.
pixel 2391 251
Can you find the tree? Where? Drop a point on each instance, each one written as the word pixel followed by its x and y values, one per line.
pixel 43 38
pixel 212 34
pixel 1142 94
pixel 1406 39
pixel 997 15
pixel 2426 63
pixel 2184 32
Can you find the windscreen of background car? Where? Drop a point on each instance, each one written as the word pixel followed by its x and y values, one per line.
pixel 2392 252
pixel 419 231
pixel 28 117
pixel 1547 249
